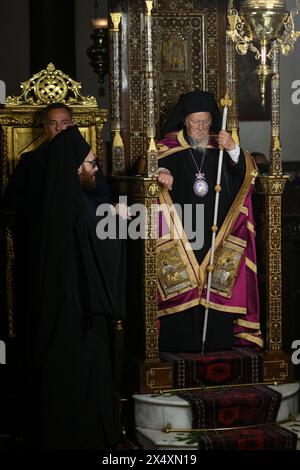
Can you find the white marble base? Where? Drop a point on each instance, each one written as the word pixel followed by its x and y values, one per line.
pixel 290 400
pixel 156 412
pixel 153 413
pixel 151 439
pixel 295 427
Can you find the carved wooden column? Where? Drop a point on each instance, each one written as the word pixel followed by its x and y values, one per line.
pixel 150 103
pixel 277 363
pixel 145 371
pixel 148 163
pixel 153 373
pixel 151 193
pixel 231 89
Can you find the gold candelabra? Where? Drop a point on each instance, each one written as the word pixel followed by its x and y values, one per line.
pixel 263 27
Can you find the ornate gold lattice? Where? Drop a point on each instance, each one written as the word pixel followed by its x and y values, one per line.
pixel 273 186
pixel 188 53
pixel 50 86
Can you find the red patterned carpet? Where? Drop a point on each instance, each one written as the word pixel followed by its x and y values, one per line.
pixel 239 365
pixel 271 437
pixel 251 410
pixel 236 406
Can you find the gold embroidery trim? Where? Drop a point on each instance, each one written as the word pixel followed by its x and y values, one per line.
pixel 178 308
pixel 251 265
pixel 183 145
pixel 173 271
pixel 251 338
pixel 244 210
pixel 230 219
pixel 250 227
pixel 233 213
pixel 238 241
pixel 225 308
pixel 247 324
pixel 170 152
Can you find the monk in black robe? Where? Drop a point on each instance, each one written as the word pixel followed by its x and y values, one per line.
pixel 75 288
pixel 19 196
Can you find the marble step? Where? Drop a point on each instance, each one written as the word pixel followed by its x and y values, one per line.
pixel 156 412
pixel 152 439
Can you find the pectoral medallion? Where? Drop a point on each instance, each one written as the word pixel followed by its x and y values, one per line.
pixel 200 186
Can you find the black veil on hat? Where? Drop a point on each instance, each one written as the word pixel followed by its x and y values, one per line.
pixel 193 102
pixel 76 286
pixel 63 231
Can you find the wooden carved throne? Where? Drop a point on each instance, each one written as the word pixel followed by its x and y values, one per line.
pixel 159 50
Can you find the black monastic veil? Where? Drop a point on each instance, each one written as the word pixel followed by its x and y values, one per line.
pixel 75 288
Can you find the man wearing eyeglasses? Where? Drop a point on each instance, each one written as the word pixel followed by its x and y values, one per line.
pixel 87 172
pixel 56 117
pixel 74 289
pixel 188 166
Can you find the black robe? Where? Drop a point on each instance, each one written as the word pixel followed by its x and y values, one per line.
pixel 183 331
pixel 28 169
pixel 20 204
pixel 75 287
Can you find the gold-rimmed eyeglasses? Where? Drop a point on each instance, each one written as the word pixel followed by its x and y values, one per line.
pixel 204 124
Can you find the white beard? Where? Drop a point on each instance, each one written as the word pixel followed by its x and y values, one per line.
pixel 200 144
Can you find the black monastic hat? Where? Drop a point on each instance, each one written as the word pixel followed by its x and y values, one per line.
pixel 193 102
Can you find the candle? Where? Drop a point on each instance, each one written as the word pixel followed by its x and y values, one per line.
pixel 100 23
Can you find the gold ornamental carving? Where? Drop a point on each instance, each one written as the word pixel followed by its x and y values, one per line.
pixel 150 157
pixel 155 375
pixel 50 86
pixel 118 325
pixel 118 151
pixel 149 5
pixel 115 18
pixel 152 189
pixel 232 89
pixel 273 186
pixel 10 258
pixel 277 370
pixel 187 54
pixel 144 191
pixel 21 132
pixel 150 281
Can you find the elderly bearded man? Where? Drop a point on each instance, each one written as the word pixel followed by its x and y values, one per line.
pixel 188 162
